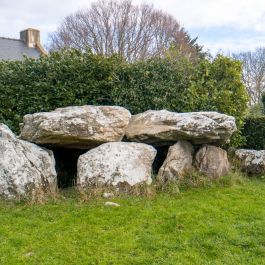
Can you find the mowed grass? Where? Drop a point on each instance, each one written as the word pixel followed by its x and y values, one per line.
pixel 218 225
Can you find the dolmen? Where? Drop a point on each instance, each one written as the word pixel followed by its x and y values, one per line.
pixel 119 148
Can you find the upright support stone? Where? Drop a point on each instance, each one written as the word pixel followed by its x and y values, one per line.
pixel 25 168
pixel 212 161
pixel 178 162
pixel 115 164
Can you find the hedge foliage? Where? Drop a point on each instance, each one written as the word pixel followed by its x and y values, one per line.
pixel 254 131
pixel 61 79
pixel 70 77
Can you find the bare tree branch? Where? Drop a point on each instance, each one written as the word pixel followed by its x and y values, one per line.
pixel 134 32
pixel 253 73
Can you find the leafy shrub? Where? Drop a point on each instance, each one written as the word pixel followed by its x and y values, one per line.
pixel 217 86
pixel 71 77
pixel 256 110
pixel 263 102
pixel 154 84
pixel 254 131
pixel 58 80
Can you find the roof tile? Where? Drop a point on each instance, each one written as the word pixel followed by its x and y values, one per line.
pixel 14 49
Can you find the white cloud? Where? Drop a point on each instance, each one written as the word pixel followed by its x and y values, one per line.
pixel 43 14
pixel 241 14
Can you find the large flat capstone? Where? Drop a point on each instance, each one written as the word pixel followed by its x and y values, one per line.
pixel 164 127
pixel 81 127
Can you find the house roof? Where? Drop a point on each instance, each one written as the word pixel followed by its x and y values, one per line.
pixel 14 49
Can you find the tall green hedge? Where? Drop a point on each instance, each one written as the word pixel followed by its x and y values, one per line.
pixel 71 77
pixel 154 84
pixel 254 132
pixel 61 79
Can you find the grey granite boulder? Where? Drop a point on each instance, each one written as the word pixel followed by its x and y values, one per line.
pixel 251 161
pixel 178 162
pixel 212 161
pixel 25 168
pixel 116 163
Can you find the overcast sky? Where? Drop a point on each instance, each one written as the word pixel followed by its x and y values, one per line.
pixel 227 25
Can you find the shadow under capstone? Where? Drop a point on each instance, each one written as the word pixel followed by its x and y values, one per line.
pixel 160 157
pixel 66 165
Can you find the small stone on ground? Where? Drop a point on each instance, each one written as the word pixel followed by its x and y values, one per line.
pixel 112 204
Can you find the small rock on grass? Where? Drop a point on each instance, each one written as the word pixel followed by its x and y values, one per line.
pixel 28 254
pixel 112 204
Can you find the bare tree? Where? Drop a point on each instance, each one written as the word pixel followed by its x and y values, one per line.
pixel 253 73
pixel 134 32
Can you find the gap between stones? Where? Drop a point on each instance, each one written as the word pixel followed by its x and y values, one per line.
pixel 66 163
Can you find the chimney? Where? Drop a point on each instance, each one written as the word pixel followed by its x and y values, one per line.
pixel 31 37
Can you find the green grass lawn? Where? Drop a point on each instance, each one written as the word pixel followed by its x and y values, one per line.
pixel 218 225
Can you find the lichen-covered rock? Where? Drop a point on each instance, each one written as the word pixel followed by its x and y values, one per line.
pixel 25 168
pixel 116 163
pixel 178 162
pixel 81 127
pixel 164 127
pixel 212 161
pixel 251 161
